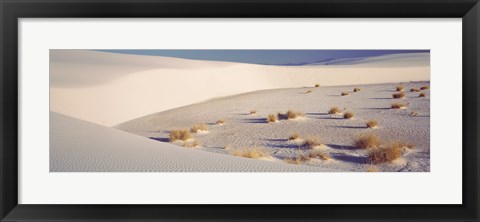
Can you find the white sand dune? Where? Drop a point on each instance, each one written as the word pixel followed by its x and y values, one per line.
pixel 80 146
pixel 108 88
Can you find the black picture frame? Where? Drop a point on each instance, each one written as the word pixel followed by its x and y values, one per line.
pixel 12 10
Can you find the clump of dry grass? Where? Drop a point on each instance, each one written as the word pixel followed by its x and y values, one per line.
pixel 422 95
pixel 297 159
pixel 425 87
pixel 251 152
pixel 372 124
pixel 403 144
pixel 398 95
pixel 253 112
pixel 191 144
pixel 220 122
pixel 414 90
pixel 386 154
pixel 311 143
pixel 334 110
pixel 372 169
pixel 399 88
pixel 345 94
pixel 398 106
pixel 414 114
pixel 367 141
pixel 294 136
pixel 319 154
pixel 199 127
pixel 309 91
pixel 348 115
pixel 290 115
pixel 317 85
pixel 179 135
pixel 356 89
pixel 272 118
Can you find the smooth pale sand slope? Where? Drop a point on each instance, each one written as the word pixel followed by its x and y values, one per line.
pixel 244 130
pixel 109 89
pixel 80 146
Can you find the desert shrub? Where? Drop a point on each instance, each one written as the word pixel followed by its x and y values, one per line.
pixel 367 141
pixel 220 122
pixel 191 144
pixel 345 94
pixel 398 95
pixel 297 159
pixel 386 154
pixel 398 106
pixel 414 114
pixel 356 89
pixel 348 115
pixel 199 127
pixel 414 90
pixel 294 136
pixel 422 95
pixel 253 112
pixel 317 85
pixel 311 143
pixel 372 123
pixel 319 154
pixel 399 88
pixel 309 91
pixel 372 169
pixel 271 118
pixel 251 152
pixel 179 135
pixel 425 87
pixel 294 114
pixel 334 110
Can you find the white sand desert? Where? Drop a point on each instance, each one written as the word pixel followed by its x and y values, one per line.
pixel 97 95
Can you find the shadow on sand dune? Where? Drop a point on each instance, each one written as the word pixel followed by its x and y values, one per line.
pixel 348 158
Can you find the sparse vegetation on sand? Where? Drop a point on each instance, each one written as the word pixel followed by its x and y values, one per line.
pixel 272 118
pixel 290 115
pixel 179 135
pixel 348 115
pixel 334 110
pixel 386 154
pixel 356 89
pixel 367 141
pixel 294 136
pixel 372 124
pixel 398 95
pixel 199 127
pixel 309 91
pixel 250 152
pixel 319 154
pixel 220 122
pixel 345 94
pixel 297 159
pixel 414 90
pixel 399 88
pixel 414 114
pixel 398 106
pixel 253 112
pixel 311 143
pixel 425 87
pixel 422 95
pixel 191 144
pixel 372 169
pixel 317 85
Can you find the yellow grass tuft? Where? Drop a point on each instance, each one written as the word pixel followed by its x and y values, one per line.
pixel 191 144
pixel 199 127
pixel 251 152
pixel 272 118
pixel 385 155
pixel 356 89
pixel 348 115
pixel 425 87
pixel 309 91
pixel 367 141
pixel 372 124
pixel 179 135
pixel 297 159
pixel 311 143
pixel 334 110
pixel 220 122
pixel 317 85
pixel 398 106
pixel 372 169
pixel 414 114
pixel 294 136
pixel 422 95
pixel 253 112
pixel 398 95
pixel 319 154
pixel 414 90
pixel 399 88
pixel 290 115
pixel 345 94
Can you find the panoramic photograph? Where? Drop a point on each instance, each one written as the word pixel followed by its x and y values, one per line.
pixel 157 110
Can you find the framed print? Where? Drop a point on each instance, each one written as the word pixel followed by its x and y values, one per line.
pixel 278 110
